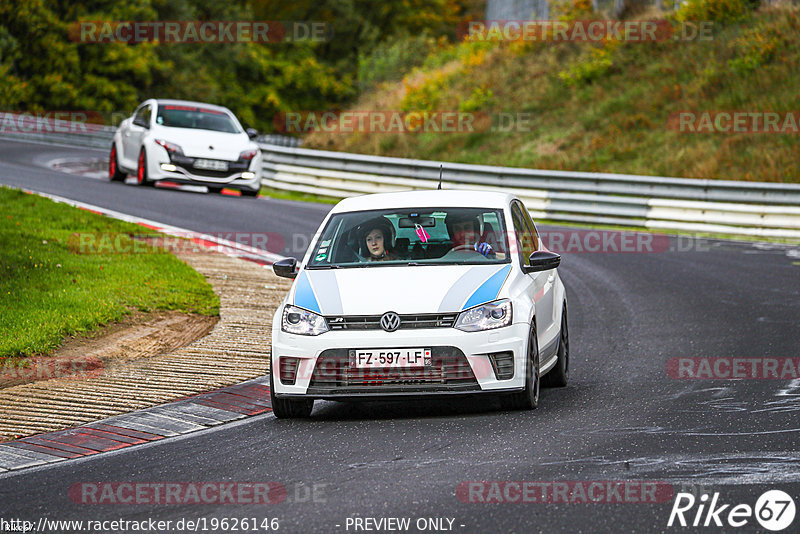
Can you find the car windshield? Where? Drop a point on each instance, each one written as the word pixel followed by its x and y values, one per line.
pixel 440 236
pixel 199 118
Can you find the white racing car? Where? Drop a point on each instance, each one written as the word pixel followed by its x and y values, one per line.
pixel 420 293
pixel 186 143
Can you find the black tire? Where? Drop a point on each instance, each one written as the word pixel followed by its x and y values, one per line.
pixel 249 193
pixel 558 375
pixel 141 170
pixel 286 408
pixel 114 172
pixel 528 398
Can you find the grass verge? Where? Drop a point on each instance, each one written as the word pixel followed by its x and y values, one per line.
pixel 65 271
pixel 297 196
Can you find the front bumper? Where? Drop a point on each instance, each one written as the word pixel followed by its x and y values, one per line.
pixel 180 169
pixel 475 347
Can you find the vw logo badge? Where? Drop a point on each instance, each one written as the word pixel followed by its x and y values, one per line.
pixel 390 321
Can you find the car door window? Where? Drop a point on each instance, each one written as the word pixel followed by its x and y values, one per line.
pixel 142 117
pixel 531 227
pixel 525 243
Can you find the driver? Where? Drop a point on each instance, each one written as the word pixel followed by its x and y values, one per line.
pixel 465 233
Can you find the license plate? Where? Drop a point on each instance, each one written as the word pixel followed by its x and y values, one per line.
pixel 381 358
pixel 211 165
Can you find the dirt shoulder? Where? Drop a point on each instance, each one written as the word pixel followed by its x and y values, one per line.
pixel 154 358
pixel 139 335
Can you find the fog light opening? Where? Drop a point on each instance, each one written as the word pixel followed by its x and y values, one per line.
pixel 288 370
pixel 503 365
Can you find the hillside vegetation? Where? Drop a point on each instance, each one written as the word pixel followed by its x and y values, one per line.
pixel 607 106
pixel 47 63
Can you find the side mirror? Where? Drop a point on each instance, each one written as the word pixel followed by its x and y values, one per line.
pixel 138 121
pixel 542 260
pixel 286 268
pixel 252 133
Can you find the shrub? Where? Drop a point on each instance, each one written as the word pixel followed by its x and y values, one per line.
pixel 426 95
pixel 753 49
pixel 572 9
pixel 391 60
pixel 715 10
pixel 481 98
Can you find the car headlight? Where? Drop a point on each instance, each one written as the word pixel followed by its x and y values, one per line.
pixel 485 317
pixel 248 155
pixel 303 322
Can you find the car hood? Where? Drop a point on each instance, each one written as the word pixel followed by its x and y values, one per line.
pixel 402 289
pixel 198 143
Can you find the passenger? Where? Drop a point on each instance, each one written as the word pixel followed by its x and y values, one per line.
pixel 465 233
pixel 377 238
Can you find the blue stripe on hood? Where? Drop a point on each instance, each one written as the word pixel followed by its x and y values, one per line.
pixel 460 291
pixel 489 290
pixel 326 289
pixel 304 294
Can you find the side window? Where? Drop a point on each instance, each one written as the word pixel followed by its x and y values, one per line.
pixel 493 232
pixel 142 117
pixel 147 115
pixel 532 227
pixel 525 246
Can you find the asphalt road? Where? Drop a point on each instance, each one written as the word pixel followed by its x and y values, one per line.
pixel 28 166
pixel 622 418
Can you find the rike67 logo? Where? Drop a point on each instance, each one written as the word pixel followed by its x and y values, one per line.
pixel 774 510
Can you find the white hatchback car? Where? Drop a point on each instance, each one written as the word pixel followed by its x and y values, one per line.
pixel 186 143
pixel 420 293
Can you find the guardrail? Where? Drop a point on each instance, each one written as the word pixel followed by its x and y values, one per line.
pixel 73 134
pixel 714 206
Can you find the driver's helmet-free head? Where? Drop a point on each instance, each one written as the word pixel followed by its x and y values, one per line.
pixel 381 223
pixel 453 219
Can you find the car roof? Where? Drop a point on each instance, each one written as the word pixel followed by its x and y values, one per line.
pixel 426 199
pixel 191 103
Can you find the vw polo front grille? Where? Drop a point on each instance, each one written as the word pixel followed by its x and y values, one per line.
pixel 449 370
pixel 373 322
